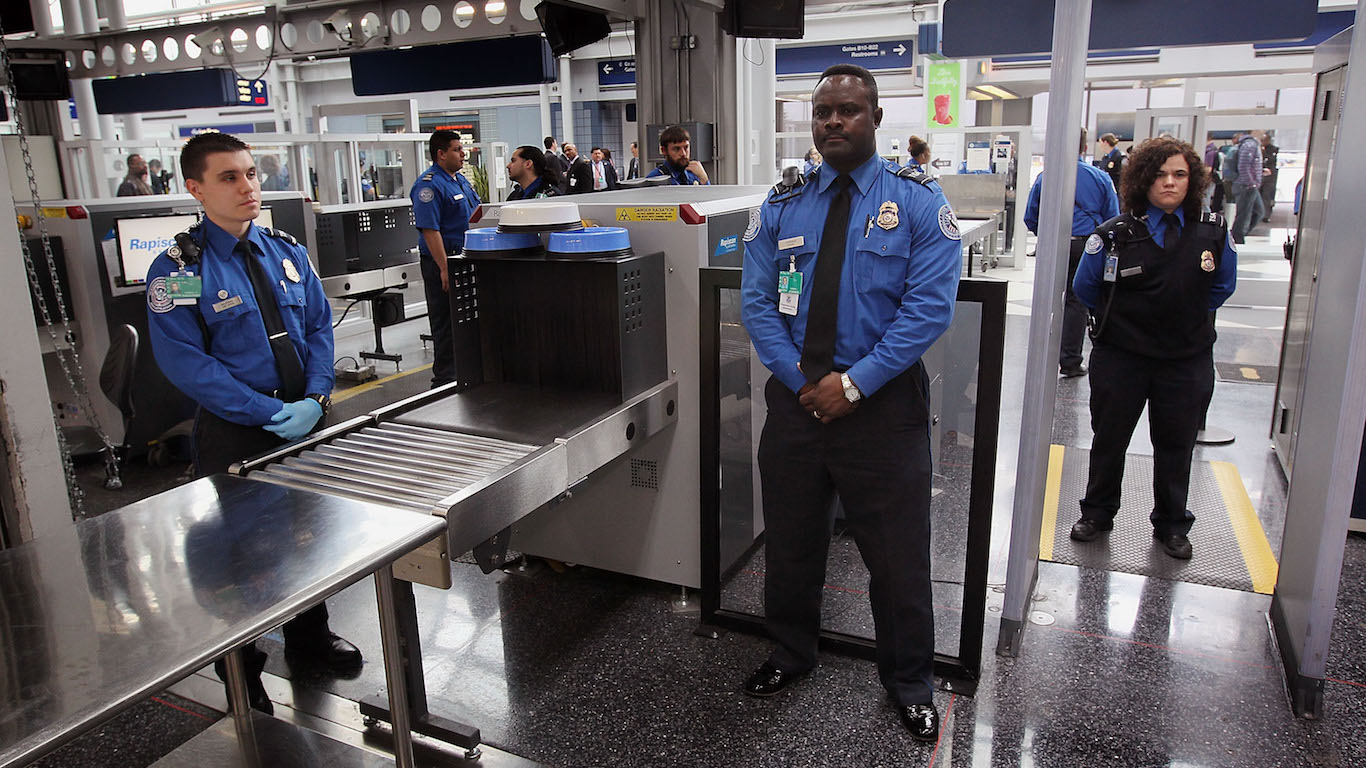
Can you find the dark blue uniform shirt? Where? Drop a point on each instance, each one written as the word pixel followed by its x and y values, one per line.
pixel 678 176
pixel 537 188
pixel 216 350
pixel 444 203
pixel 1091 269
pixel 899 282
pixel 1095 201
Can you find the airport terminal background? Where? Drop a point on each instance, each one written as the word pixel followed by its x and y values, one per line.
pixel 1126 659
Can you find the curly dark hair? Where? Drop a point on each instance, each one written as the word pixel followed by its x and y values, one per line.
pixel 1140 171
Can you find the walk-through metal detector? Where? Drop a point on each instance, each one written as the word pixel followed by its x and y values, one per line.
pixel 965 367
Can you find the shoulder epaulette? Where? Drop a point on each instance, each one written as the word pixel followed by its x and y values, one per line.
pixel 1210 217
pixel 907 173
pixel 281 234
pixel 427 176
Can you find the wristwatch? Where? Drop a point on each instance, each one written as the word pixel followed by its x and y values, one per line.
pixel 851 392
pixel 326 402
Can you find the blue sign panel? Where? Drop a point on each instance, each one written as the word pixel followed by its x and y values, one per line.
pixel 879 55
pixel 617 72
pixel 252 93
pixel 1026 26
pixel 187 131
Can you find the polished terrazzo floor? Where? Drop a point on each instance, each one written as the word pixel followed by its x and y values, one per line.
pixel 576 667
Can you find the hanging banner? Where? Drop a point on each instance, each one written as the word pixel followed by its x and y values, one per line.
pixel 943 81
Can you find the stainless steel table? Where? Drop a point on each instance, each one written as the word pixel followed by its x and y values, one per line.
pixel 129 602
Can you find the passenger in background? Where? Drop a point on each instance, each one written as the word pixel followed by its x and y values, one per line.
pixel 1270 174
pixel 531 175
pixel 443 201
pixel 1152 278
pixel 848 280
pixel 238 321
pixel 135 181
pixel 271 178
pixel 603 174
pixel 919 150
pixel 159 177
pixel 813 161
pixel 1094 202
pixel 633 170
pixel 1247 186
pixel 1112 162
pixel 554 161
pixel 579 176
pixel 675 143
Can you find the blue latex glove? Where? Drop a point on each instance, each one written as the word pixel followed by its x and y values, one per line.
pixel 295 419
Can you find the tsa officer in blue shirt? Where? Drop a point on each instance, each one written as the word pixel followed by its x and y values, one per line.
pixel 238 321
pixel 848 279
pixel 1093 202
pixel 675 143
pixel 1152 278
pixel 443 201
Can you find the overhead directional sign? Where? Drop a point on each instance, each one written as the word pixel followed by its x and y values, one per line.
pixel 252 93
pixel 874 55
pixel 187 131
pixel 616 72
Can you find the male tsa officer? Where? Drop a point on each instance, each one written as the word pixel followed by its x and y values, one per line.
pixel 239 323
pixel 443 201
pixel 675 143
pixel 848 279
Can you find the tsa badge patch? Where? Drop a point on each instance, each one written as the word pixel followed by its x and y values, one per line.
pixel 426 194
pixel 948 223
pixel 158 298
pixel 1207 261
pixel 752 231
pixel 1094 245
pixel 888 216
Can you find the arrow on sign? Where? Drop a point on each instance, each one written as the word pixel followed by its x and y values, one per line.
pixel 900 49
pixel 607 69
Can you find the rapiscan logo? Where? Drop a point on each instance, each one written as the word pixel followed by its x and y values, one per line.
pixel 152 245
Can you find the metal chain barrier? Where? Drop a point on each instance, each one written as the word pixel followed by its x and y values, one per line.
pixel 67 356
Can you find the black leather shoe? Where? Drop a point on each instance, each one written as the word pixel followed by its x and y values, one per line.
pixel 1176 545
pixel 1072 371
pixel 328 651
pixel 1087 530
pixel 768 680
pixel 921 720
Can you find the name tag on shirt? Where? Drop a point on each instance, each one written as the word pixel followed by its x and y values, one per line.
pixel 791 242
pixel 1131 271
pixel 459 197
pixel 227 304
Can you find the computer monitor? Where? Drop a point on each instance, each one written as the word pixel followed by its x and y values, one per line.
pixel 141 239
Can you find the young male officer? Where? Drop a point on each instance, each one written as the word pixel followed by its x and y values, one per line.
pixel 443 201
pixel 675 143
pixel 531 175
pixel 238 322
pixel 848 279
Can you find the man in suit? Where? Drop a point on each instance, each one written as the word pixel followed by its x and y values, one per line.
pixel 555 162
pixel 633 170
pixel 578 178
pixel 601 176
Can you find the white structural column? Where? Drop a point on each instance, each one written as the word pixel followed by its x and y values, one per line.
pixel 756 112
pixel 1071 30
pixel 115 15
pixel 73 23
pixel 132 127
pixel 547 125
pixel 42 18
pixel 566 103
pixel 38 503
pixel 1323 487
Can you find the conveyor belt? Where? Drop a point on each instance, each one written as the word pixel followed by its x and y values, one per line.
pixel 396 464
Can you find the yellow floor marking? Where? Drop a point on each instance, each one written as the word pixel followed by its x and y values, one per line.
pixel 1261 563
pixel 347 394
pixel 1250 373
pixel 1050 501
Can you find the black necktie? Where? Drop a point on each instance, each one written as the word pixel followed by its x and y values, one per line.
pixel 818 347
pixel 287 365
pixel 1171 232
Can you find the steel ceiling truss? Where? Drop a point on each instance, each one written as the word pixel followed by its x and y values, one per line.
pixel 249 41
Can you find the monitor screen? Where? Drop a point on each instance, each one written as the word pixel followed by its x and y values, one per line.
pixel 143 238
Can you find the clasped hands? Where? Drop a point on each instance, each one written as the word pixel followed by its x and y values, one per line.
pixel 295 419
pixel 825 399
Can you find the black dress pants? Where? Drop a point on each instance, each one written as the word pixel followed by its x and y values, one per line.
pixel 1176 393
pixel 439 321
pixel 1073 311
pixel 217 445
pixel 878 460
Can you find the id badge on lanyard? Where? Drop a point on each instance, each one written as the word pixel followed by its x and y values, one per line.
pixel 789 288
pixel 183 288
